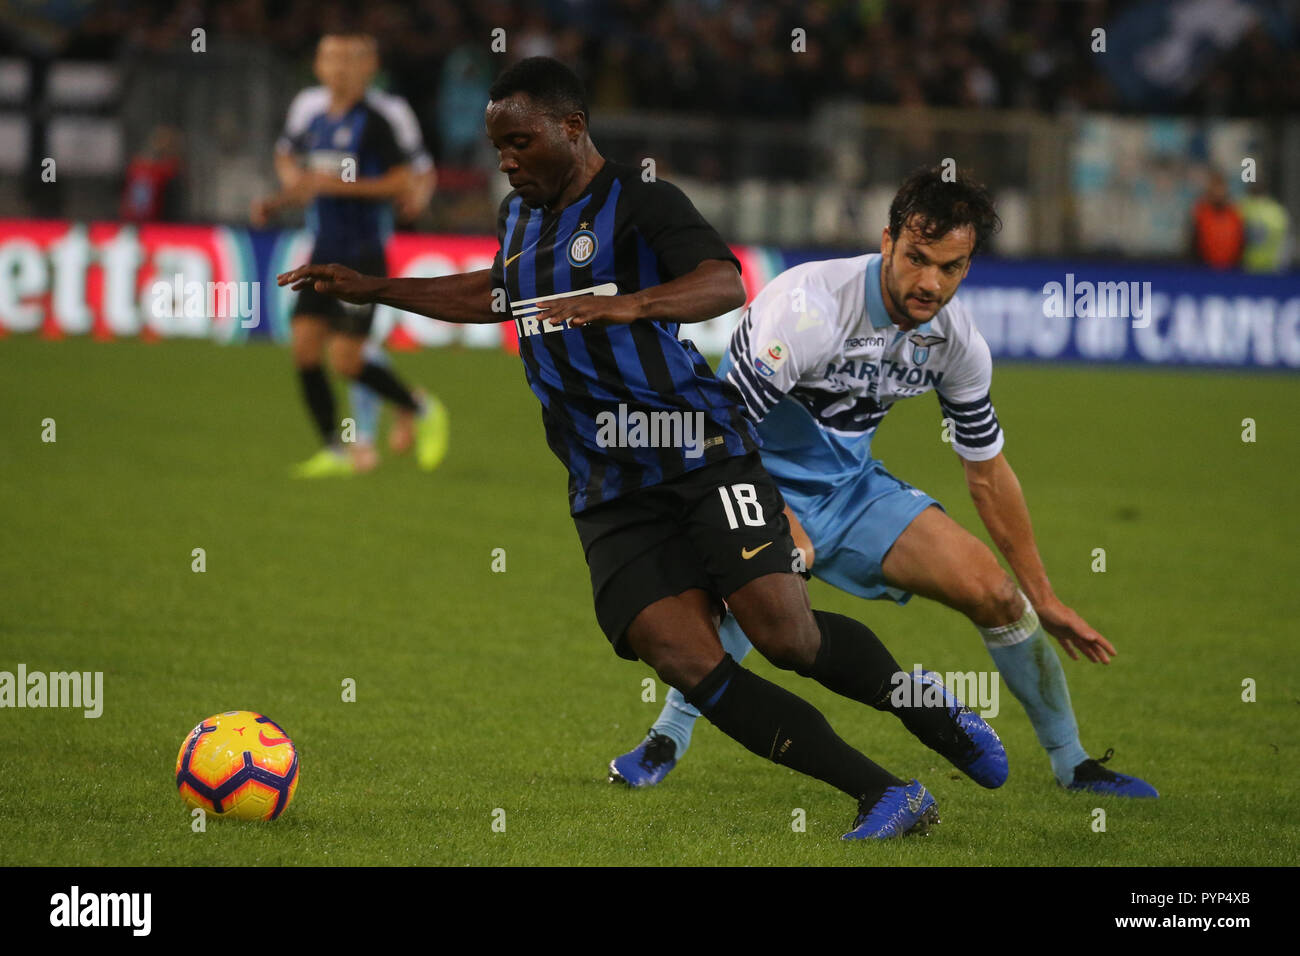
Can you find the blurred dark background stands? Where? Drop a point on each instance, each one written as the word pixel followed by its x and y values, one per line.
pixel 780 135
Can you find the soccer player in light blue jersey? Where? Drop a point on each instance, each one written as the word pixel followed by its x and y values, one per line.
pixel 820 356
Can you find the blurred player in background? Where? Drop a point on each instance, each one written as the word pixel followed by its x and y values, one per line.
pixel 424 180
pixel 599 268
pixel 350 154
pixel 820 356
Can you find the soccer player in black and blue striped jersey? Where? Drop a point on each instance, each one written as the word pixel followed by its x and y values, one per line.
pixel 599 268
pixel 342 155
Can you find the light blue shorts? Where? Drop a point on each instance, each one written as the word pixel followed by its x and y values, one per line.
pixel 853 529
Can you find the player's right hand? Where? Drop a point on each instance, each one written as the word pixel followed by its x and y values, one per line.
pixel 333 279
pixel 1072 631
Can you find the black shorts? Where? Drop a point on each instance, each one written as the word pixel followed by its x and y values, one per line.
pixel 342 317
pixel 716 528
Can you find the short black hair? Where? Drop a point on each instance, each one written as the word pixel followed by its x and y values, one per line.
pixel 367 38
pixel 942 202
pixel 549 83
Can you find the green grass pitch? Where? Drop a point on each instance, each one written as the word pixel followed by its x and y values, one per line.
pixel 479 690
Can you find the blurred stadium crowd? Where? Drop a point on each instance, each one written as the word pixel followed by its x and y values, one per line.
pixel 704 85
pixel 725 57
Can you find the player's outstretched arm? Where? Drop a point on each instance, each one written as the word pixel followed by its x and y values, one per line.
pixel 394 184
pixel 998 498
pixel 465 298
pixel 711 289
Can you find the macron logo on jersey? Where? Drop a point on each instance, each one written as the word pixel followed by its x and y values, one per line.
pixel 870 342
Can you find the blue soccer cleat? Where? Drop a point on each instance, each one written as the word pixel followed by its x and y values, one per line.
pixel 900 812
pixel 1094 778
pixel 648 764
pixel 974 747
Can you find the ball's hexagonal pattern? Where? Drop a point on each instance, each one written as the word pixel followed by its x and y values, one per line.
pixel 239 765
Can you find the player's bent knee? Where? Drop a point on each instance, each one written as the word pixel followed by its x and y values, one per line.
pixel 792 650
pixel 306 353
pixel 308 343
pixel 786 635
pixel 674 638
pixel 676 666
pixel 995 602
pixel 347 361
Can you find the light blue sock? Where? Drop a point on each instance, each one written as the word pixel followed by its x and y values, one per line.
pixel 677 719
pixel 1028 664
pixel 365 403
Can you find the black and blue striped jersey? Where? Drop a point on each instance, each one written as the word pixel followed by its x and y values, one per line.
pixel 622 235
pixel 376 134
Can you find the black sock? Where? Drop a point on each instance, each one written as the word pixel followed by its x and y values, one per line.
pixel 320 400
pixel 772 722
pixel 384 383
pixel 854 663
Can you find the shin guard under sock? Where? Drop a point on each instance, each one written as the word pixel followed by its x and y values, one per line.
pixel 772 722
pixel 853 662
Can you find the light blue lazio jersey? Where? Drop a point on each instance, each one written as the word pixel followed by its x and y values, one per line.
pixel 819 364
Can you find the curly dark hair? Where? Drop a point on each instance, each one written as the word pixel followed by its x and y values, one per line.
pixel 550 84
pixel 933 206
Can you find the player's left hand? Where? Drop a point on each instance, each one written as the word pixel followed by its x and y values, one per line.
pixel 410 204
pixel 408 207
pixel 1064 624
pixel 259 213
pixel 590 309
pixel 304 189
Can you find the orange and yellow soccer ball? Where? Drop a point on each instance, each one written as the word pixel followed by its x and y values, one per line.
pixel 238 765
